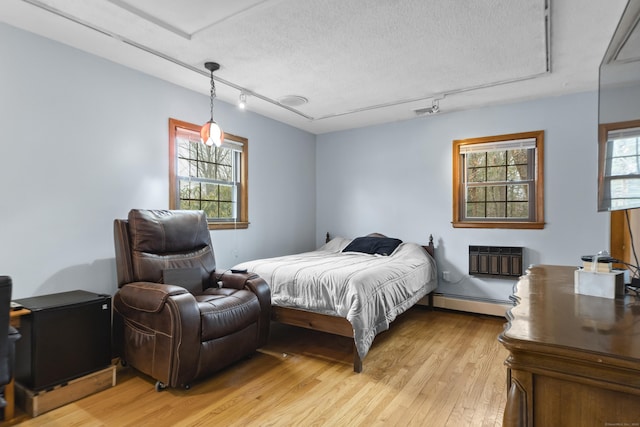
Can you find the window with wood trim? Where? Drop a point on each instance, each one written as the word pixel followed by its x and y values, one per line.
pixel 619 166
pixel 212 179
pixel 498 181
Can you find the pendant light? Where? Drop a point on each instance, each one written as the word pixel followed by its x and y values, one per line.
pixel 211 134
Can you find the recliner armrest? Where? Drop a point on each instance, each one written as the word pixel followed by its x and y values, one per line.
pixel 233 280
pixel 259 287
pixel 148 297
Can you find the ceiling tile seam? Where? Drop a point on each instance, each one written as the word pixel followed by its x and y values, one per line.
pixel 150 18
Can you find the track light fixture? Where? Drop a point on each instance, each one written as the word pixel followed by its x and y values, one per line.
pixel 242 100
pixel 211 134
pixel 435 107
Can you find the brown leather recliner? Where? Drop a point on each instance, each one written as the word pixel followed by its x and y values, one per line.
pixel 177 318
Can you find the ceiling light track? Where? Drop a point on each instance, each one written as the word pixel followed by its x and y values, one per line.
pixel 62 14
pixel 161 55
pixel 440 95
pixel 248 92
pixel 228 17
pixel 547 33
pixel 217 79
pixel 150 18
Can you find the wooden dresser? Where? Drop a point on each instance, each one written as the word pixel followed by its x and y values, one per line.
pixel 574 359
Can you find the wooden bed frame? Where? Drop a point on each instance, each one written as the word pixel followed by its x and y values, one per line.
pixel 326 323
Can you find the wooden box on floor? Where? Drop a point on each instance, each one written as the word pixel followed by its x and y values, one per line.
pixel 37 403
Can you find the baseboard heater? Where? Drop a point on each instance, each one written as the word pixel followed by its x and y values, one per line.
pixel 472 305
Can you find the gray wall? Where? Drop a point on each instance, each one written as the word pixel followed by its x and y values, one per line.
pixel 84 140
pixel 396 179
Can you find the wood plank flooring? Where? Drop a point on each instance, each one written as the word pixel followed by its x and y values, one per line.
pixel 432 368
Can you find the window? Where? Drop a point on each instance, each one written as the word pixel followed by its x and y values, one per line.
pixel 212 179
pixel 619 166
pixel 498 181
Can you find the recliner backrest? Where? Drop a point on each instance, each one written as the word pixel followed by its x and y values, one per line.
pixel 152 241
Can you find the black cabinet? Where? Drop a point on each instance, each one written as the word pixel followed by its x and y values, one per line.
pixel 67 335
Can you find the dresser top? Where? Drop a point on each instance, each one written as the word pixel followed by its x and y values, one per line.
pixel 550 317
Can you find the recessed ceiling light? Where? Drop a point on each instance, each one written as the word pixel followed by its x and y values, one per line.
pixel 293 100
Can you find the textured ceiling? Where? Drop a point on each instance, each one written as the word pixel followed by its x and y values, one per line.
pixel 358 62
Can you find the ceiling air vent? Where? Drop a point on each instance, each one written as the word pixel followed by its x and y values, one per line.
pixel 293 100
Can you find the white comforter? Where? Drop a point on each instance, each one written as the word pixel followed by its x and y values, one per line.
pixel 370 291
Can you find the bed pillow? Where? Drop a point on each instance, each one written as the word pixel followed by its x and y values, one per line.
pixel 373 245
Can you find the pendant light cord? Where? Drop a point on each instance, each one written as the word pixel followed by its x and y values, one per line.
pixel 213 94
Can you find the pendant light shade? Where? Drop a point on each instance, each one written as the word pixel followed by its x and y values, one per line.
pixel 211 133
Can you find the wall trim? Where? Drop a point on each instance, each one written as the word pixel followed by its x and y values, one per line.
pixel 492 308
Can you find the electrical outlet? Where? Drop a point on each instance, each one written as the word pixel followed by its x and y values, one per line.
pixel 445 276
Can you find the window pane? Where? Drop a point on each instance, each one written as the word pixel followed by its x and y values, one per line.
pixel 201 151
pixel 475 210
pixel 495 158
pixel 184 189
pixel 195 191
pixel 477 175
pixel 224 155
pixel 476 159
pixel 621 188
pixel 496 210
pixel 497 193
pixel 189 204
pixel 226 209
pixel 211 209
pixel 624 166
pixel 209 191
pixel 517 173
pixel 476 194
pixel 518 193
pixel 624 147
pixel 226 193
pixel 192 168
pixel 518 209
pixel 183 167
pixel 184 147
pixel 517 157
pixel 496 173
pixel 224 173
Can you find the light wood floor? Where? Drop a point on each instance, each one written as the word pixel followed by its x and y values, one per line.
pixel 432 368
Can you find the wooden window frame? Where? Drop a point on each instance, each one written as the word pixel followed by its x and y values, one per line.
pixel 459 184
pixel 243 212
pixel 604 204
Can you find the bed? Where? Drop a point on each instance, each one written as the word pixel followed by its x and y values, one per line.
pixel 348 289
